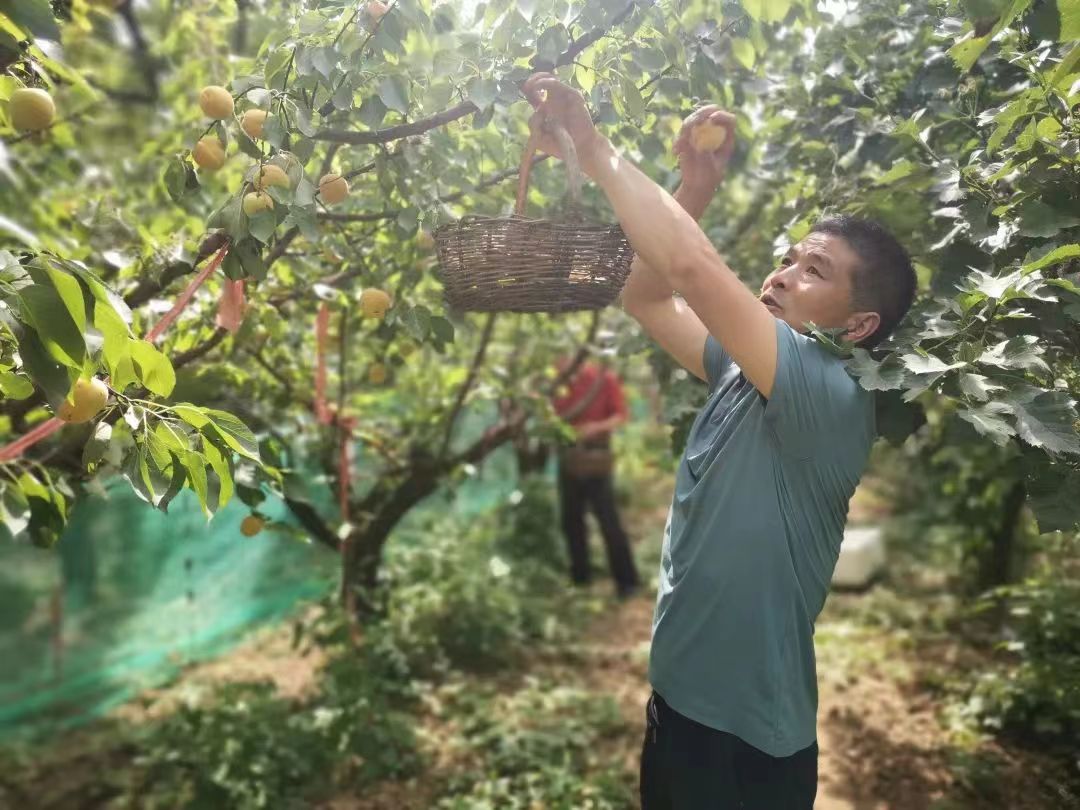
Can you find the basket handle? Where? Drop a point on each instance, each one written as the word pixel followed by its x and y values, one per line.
pixel 573 168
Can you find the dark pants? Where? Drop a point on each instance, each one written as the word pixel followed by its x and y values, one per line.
pixel 688 766
pixel 575 496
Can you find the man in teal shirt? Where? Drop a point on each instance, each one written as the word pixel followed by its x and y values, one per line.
pixel 762 490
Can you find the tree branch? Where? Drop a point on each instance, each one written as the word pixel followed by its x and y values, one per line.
pixel 470 378
pixel 399 131
pixel 201 349
pixel 583 42
pixel 311 520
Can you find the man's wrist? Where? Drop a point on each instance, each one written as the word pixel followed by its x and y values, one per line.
pixel 599 156
pixel 695 197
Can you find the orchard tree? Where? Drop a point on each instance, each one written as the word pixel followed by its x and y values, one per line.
pixel 286 163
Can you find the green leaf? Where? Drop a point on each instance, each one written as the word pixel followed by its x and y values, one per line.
pixel 261 225
pixel 275 67
pixel 195 465
pixel 442 329
pixel 394 92
pixel 978 387
pixel 71 293
pixel 1047 420
pixel 250 257
pixel 417 322
pixel 919 364
pixel 44 309
pixel 987 419
pixel 967 51
pixel 1039 219
pixel 481 91
pixel 744 53
pixel 1022 351
pixel 875 376
pixel 98 445
pixel 634 103
pixel 1057 256
pixel 551 44
pixel 767 10
pixel 235 433
pixel 15 386
pixel 33 16
pixel 154 369
pixel 221 464
pixel 1056 20
pixel 180 178
pixel 231 218
pixel 1053 492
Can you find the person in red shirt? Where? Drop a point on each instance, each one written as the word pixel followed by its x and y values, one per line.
pixel 592 402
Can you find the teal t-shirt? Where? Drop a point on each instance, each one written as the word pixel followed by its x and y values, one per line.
pixel 761 497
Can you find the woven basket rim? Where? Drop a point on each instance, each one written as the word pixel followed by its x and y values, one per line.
pixel 482 219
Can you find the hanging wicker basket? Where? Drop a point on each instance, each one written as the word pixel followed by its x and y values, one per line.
pixel 518 264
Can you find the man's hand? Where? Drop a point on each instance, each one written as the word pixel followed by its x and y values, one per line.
pixel 703 171
pixel 559 104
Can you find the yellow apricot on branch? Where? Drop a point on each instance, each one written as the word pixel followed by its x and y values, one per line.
pixel 85 401
pixel 707 137
pixel 257 201
pixel 209 153
pixel 31 109
pixel 216 102
pixel 271 175
pixel 252 123
pixel 333 188
pixel 425 240
pixel 377 374
pixel 251 525
pixel 374 303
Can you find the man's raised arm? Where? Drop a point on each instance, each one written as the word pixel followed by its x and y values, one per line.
pixel 662 234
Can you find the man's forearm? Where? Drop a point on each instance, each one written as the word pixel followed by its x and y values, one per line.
pixel 664 236
pixel 644 285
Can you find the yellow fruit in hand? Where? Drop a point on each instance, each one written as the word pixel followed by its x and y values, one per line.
pixel 216 102
pixel 251 525
pixel 31 109
pixel 209 154
pixel 377 374
pixel 374 303
pixel 252 123
pixel 425 240
pixel 707 137
pixel 257 201
pixel 333 188
pixel 271 175
pixel 86 400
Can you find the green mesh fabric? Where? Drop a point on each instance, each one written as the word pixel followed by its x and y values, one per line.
pixel 131 595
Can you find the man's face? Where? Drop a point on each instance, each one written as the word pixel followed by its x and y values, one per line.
pixel 814 284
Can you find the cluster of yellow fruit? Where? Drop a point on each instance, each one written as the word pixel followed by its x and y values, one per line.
pixel 374 303
pixel 31 109
pixel 217 103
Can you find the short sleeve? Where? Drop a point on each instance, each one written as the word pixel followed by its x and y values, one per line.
pixel 814 402
pixel 715 360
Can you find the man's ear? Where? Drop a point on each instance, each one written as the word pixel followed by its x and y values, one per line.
pixel 860 325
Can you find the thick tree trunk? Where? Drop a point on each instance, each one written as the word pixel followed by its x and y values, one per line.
pixel 377 515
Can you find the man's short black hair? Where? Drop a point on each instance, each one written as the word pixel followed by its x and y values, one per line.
pixel 884 282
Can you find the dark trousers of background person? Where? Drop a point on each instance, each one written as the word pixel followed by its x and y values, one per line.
pixel 576 495
pixel 688 766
